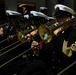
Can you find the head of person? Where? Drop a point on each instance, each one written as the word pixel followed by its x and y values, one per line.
pixel 43 10
pixel 63 13
pixel 23 7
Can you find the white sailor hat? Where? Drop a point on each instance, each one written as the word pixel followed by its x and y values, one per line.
pixel 43 8
pixel 22 5
pixel 35 13
pixel 10 12
pixel 63 10
pixel 40 14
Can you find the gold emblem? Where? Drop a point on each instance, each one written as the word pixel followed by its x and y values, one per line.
pixel 68 50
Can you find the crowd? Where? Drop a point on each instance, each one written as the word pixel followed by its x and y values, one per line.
pixel 44 57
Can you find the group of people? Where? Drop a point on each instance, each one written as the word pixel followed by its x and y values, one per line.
pixel 51 57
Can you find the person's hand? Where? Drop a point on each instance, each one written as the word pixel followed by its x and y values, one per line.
pixel 33 32
pixel 34 44
pixel 11 36
pixel 28 37
pixel 57 31
pixel 1 31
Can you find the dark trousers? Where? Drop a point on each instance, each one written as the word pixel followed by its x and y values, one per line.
pixel 35 67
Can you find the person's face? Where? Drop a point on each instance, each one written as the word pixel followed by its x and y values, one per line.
pixel 1 30
pixel 24 9
pixel 60 20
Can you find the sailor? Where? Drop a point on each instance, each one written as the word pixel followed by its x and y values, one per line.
pixel 61 55
pixel 66 37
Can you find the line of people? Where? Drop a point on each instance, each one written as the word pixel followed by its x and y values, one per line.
pixel 55 55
